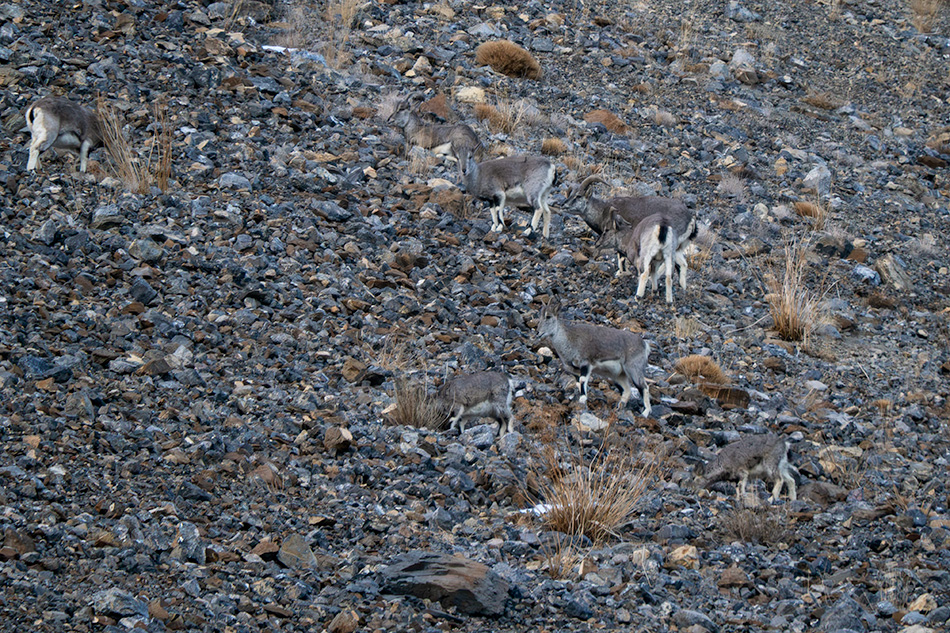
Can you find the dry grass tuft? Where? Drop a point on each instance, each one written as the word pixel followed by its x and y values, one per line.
pixel 138 175
pixel 594 498
pixel 817 212
pixel 415 406
pixel 763 525
pixel 508 58
pixel 701 369
pixel 883 405
pixel 560 556
pixel 506 117
pixel 796 311
pixel 925 13
pixel 553 147
pixel 822 101
pixel 686 327
pixel 608 119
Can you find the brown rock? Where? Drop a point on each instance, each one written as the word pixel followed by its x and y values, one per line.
pixel 20 542
pixel 449 199
pixel 296 553
pixel 266 549
pixel 893 273
pixel 346 621
pixel 469 586
pixel 684 556
pixel 353 370
pixel 337 439
pixel 734 577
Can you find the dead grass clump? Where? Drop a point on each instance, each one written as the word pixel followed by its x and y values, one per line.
pixel 686 327
pixel 553 147
pixel 594 498
pixel 817 212
pixel 700 369
pixel 701 249
pixel 763 525
pixel 664 118
pixel 415 406
pixel 925 13
pixel 560 556
pixel 508 58
pixel 732 186
pixel 505 117
pixel 796 310
pixel 138 174
pixel 608 119
pixel 822 101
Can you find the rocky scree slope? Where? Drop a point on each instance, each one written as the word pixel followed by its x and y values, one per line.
pixel 176 367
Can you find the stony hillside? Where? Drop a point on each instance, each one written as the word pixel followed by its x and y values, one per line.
pixel 199 377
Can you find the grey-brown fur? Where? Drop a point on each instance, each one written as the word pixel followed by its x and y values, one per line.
pixel 759 456
pixel 597 212
pixel 652 240
pixel 587 350
pixel 458 141
pixel 58 122
pixel 485 394
pixel 524 181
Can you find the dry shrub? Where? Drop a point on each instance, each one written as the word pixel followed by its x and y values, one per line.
pixel 560 557
pixel 553 147
pixel 925 13
pixel 594 498
pixel 796 310
pixel 732 186
pixel 822 101
pixel 762 525
pixel 542 420
pixel 664 118
pixel 508 58
pixel 505 117
pixel 700 369
pixel 817 212
pixel 137 174
pixel 701 249
pixel 687 327
pixel 421 162
pixel 608 119
pixel 883 405
pixel 416 406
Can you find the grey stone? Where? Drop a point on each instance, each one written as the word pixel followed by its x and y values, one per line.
pixel 118 602
pixel 469 586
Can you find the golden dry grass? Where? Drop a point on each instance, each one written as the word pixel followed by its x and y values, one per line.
pixel 508 58
pixel 924 13
pixel 762 525
pixel 553 147
pixel 700 369
pixel 505 117
pixel 594 498
pixel 818 213
pixel 608 119
pixel 796 310
pixel 136 173
pixel 415 406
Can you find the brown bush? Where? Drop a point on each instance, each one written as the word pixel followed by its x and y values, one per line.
pixel 553 147
pixel 764 526
pixel 415 406
pixel 608 119
pixel 509 59
pixel 701 369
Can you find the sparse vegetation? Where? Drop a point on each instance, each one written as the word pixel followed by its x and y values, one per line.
pixel 763 525
pixel 796 310
pixel 700 369
pixel 924 13
pixel 595 498
pixel 559 556
pixel 505 117
pixel 415 405
pixel 509 59
pixel 553 147
pixel 817 211
pixel 138 175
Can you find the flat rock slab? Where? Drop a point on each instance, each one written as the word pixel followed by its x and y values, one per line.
pixel 469 586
